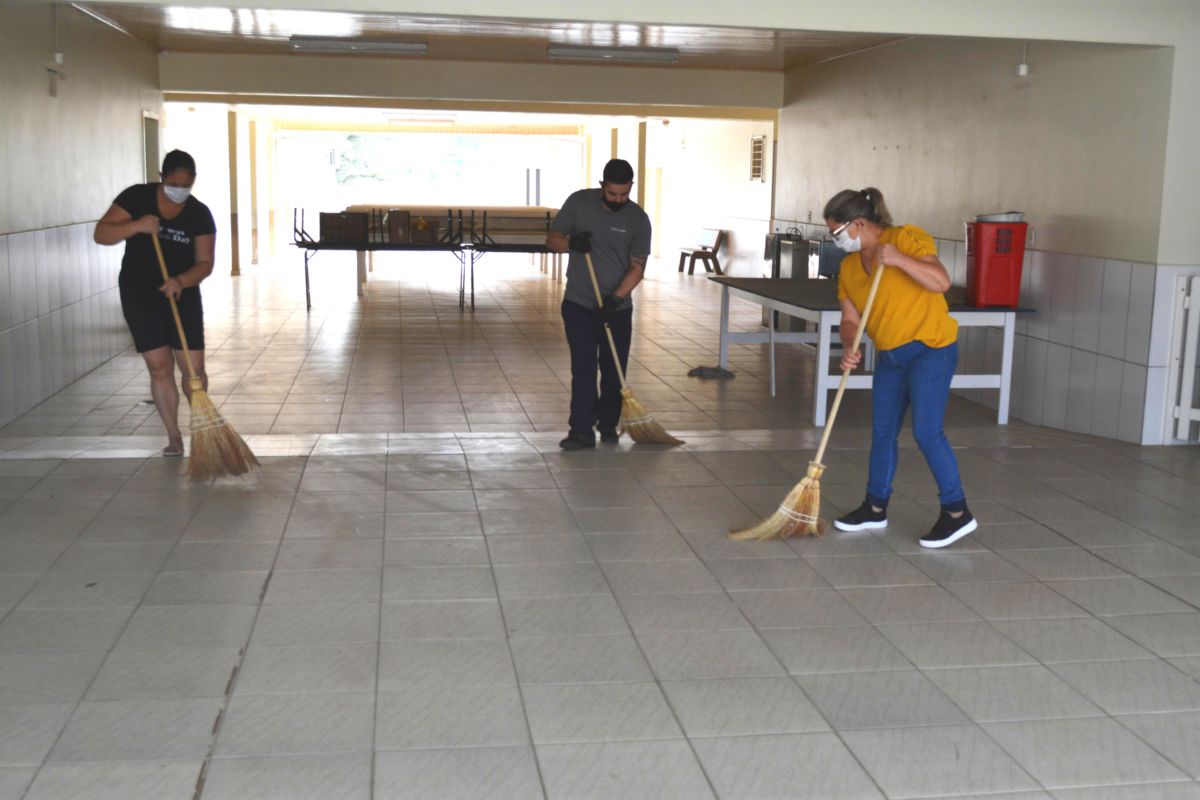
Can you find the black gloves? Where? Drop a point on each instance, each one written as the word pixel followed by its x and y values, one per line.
pixel 608 309
pixel 580 242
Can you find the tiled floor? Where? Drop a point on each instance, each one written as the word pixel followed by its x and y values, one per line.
pixel 420 596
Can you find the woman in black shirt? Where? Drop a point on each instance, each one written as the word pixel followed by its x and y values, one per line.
pixel 186 231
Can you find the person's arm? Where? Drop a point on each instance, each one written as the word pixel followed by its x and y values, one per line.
pixel 637 263
pixel 925 270
pixel 633 276
pixel 557 242
pixel 847 329
pixel 193 275
pixel 117 225
pixel 558 238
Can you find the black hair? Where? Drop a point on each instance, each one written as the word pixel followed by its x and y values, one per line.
pixel 618 171
pixel 177 160
pixel 848 205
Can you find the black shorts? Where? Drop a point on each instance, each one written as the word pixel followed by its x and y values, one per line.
pixel 152 324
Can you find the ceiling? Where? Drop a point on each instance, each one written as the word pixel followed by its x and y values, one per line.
pixel 259 31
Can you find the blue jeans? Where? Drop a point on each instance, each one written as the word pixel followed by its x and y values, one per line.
pixel 915 375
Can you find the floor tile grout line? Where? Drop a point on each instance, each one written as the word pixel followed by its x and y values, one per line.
pixel 796 682
pixel 1105 714
pixel 833 729
pixel 970 721
pixel 374 767
pixel 231 686
pixel 520 690
pixel 108 653
pixel 642 653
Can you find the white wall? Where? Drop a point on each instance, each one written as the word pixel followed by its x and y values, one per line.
pixel 65 158
pixel 947 130
pixel 706 184
pixel 69 156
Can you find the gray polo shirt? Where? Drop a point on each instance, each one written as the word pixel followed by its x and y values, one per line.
pixel 616 236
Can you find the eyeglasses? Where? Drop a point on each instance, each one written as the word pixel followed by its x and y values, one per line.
pixel 841 228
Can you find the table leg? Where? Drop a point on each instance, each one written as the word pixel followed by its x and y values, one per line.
pixel 472 280
pixel 1010 324
pixel 462 282
pixel 723 360
pixel 362 271
pixel 824 382
pixel 307 285
pixel 771 355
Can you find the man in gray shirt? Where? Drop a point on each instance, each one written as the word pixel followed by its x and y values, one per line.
pixel 616 231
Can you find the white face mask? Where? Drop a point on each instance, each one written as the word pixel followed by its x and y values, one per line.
pixel 177 194
pixel 845 243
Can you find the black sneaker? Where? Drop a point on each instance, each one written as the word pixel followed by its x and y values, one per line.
pixel 610 435
pixel 863 518
pixel 948 530
pixel 578 441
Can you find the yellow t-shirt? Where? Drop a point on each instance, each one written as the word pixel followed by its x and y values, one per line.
pixel 904 310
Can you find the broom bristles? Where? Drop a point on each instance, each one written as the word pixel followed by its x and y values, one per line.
pixel 637 422
pixel 798 515
pixel 216 447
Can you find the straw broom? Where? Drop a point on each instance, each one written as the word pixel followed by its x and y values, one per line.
pixel 635 419
pixel 799 513
pixel 216 447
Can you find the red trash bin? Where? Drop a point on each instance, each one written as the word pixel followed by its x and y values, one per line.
pixel 995 252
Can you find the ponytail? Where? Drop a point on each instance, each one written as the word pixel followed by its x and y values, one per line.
pixel 868 204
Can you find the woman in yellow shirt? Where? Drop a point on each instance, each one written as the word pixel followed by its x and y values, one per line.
pixel 917 344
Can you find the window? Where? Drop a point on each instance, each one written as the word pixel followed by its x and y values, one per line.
pixel 757 145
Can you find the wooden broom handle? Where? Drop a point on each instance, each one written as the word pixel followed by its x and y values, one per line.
pixel 599 302
pixel 162 264
pixel 841 390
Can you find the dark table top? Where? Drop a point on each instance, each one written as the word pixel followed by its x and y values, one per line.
pixel 496 247
pixel 820 294
pixel 376 246
pixel 511 247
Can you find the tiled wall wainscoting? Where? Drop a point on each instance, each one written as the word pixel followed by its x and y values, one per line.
pixel 1095 355
pixel 1080 363
pixel 60 312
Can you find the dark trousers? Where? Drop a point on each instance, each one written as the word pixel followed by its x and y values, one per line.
pixel 589 350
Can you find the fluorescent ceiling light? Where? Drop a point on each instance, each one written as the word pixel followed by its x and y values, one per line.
pixel 655 55
pixel 315 44
pixel 422 120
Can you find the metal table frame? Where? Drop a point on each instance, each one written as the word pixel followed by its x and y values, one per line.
pixel 311 248
pixel 478 251
pixel 827 318
pixel 479 243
